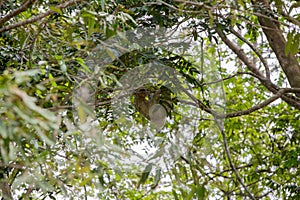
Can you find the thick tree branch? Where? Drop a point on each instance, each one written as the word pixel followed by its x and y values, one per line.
pixel 38 17
pixel 243 112
pixel 264 62
pixel 258 106
pixel 288 63
pixel 240 53
pixel 267 83
pixel 17 11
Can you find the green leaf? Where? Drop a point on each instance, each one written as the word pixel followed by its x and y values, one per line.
pixel 102 5
pixel 3 131
pixel 55 9
pixel 200 192
pixel 175 195
pixel 52 81
pixel 295 44
pixel 41 134
pixel 145 174
pixel 156 178
pixel 127 16
pixel 81 62
pixel 91 25
pixel 82 114
pixel 191 194
pixel 110 53
pixel 195 35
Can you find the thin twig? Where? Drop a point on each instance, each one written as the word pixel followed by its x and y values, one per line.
pixel 197 101
pixel 264 62
pixel 290 19
pixel 267 83
pixel 30 189
pixel 12 165
pixel 159 2
pixel 220 6
pixel 38 17
pixel 228 77
pixel 17 11
pixel 231 163
pixel 200 4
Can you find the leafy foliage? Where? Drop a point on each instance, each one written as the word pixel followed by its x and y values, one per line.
pixel 70 129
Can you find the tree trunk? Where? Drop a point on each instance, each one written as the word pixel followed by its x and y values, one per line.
pixel 271 28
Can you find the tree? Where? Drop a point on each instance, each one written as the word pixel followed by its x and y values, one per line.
pixel 134 99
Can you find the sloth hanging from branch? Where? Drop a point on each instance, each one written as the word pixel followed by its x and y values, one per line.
pixel 154 103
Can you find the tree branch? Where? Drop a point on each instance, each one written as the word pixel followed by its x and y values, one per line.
pixel 17 11
pixel 5 187
pixel 159 2
pixel 38 17
pixel 229 77
pixel 264 62
pixel 232 165
pixel 240 53
pixel 288 63
pixel 256 107
pixel 267 83
pixel 0 4
pixel 200 4
pixel 290 19
pixel 30 189
pixel 12 165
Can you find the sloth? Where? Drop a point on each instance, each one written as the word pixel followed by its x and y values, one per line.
pixel 154 104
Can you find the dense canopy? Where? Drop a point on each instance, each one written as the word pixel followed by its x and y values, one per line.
pixel 130 99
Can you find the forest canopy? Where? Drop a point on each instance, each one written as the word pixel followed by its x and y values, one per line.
pixel 130 99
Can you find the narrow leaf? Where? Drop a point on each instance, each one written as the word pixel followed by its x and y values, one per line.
pixel 55 9
pixel 200 191
pixel 145 174
pixel 156 178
